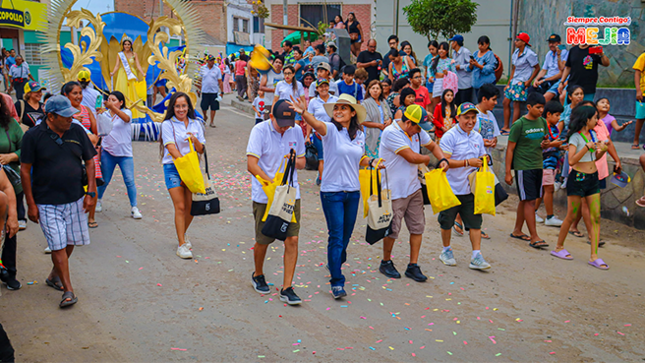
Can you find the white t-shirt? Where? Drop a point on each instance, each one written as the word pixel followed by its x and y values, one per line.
pixel 342 158
pixel 259 105
pixel 272 81
pixel 210 79
pixel 461 146
pixel 284 90
pixel 271 148
pixel 402 176
pixel 317 109
pixel 487 126
pixel 333 89
pixel 119 141
pixel 90 95
pixel 179 136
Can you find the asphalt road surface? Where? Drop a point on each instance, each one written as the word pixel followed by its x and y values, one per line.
pixel 139 302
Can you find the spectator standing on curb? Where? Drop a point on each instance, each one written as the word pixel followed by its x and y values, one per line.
pixel 52 175
pixel 393 43
pixel 462 62
pixel 371 60
pixel 639 81
pixel 482 65
pixel 548 80
pixel 433 46
pixel 582 68
pixel 211 87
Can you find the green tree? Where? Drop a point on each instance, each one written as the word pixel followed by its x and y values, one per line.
pixel 441 17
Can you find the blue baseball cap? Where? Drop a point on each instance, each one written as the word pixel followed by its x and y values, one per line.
pixel 457 38
pixel 61 106
pixel 465 108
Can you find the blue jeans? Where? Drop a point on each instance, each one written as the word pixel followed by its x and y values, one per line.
pixel 126 164
pixel 340 210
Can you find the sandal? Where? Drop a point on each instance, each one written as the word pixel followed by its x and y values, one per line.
pixel 563 254
pixel 505 132
pixel 641 202
pixel 459 233
pixel 599 263
pixel 577 234
pixel 485 236
pixel 92 224
pixel 635 146
pixel 600 243
pixel 212 125
pixel 522 237
pixel 538 244
pixel 72 299
pixel 55 283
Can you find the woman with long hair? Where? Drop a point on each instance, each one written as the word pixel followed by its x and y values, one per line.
pixel 338 22
pixel 584 150
pixel 344 143
pixel 445 113
pixel 378 117
pixel 355 33
pixel 10 143
pixel 74 92
pixel 270 80
pixel 433 48
pixel 482 64
pixel 575 94
pixel 400 65
pixel 128 72
pixel 439 68
pixel 289 86
pixel 406 48
pixel 180 126
pixel 226 81
pixel 117 150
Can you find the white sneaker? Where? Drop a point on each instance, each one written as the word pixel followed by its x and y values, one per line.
pixel 556 186
pixel 99 207
pixel 135 213
pixel 47 250
pixel 187 243
pixel 22 225
pixel 553 221
pixel 184 252
pixel 538 219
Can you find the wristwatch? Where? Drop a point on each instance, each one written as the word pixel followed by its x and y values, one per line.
pixel 91 194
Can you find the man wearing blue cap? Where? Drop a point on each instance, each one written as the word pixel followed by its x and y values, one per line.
pixel 462 61
pixel 53 154
pixel 400 149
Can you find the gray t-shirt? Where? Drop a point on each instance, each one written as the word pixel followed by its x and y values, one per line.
pixel 579 142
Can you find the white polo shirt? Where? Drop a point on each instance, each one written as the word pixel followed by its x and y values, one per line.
pixel 271 148
pixel 342 158
pixel 402 176
pixel 175 132
pixel 316 107
pixel 284 90
pixel 210 78
pixel 461 146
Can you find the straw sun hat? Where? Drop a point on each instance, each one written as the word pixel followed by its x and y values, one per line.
pixel 348 100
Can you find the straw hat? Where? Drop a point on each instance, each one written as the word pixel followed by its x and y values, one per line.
pixel 348 100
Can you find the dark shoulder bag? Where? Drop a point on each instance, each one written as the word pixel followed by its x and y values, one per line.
pixel 207 203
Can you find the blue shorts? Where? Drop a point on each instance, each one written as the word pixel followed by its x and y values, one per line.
pixel 170 173
pixel 319 146
pixel 640 110
pixel 554 88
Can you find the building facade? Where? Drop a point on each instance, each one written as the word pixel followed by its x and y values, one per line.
pixel 311 12
pixel 19 22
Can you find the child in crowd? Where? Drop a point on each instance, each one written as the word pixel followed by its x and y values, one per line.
pixel 258 107
pixel 524 154
pixel 347 84
pixel 550 157
pixel 361 76
pixel 609 120
pixel 444 113
pixel 407 98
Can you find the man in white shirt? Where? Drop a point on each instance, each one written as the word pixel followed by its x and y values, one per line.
pixel 90 95
pixel 211 86
pixel 271 141
pixel 463 148
pixel 548 79
pixel 400 149
pixel 19 74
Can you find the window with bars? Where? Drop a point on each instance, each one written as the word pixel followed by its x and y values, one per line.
pixel 236 24
pixel 32 54
pixel 258 24
pixel 312 14
pixel 245 25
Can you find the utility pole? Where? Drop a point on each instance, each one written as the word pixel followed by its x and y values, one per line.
pixel 285 18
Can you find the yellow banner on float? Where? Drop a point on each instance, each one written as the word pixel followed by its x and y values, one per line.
pixel 28 15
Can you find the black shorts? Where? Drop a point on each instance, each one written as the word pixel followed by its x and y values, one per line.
pixel 466 210
pixel 210 100
pixel 529 184
pixel 582 184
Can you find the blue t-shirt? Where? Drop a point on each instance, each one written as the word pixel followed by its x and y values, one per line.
pixel 10 61
pixel 550 155
pixel 302 67
pixel 355 90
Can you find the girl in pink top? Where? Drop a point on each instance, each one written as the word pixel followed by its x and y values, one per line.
pixel 609 120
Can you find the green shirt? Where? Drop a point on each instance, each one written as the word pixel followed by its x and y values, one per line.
pixel 11 142
pixel 528 135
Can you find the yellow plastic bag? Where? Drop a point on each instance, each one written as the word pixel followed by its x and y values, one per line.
pixel 439 191
pixel 484 190
pixel 190 172
pixel 364 177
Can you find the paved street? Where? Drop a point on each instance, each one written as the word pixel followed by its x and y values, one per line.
pixel 139 302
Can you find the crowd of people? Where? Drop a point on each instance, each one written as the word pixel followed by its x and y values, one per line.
pixel 377 113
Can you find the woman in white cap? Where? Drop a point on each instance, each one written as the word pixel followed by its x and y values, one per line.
pixel 344 143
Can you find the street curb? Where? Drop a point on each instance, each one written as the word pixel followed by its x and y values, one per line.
pixel 243 106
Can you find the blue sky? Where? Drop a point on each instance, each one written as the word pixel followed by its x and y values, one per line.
pixel 95 6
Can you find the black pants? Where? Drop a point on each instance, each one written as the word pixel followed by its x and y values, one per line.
pixel 11 244
pixel 6 350
pixel 240 84
pixel 464 95
pixel 19 87
pixel 22 214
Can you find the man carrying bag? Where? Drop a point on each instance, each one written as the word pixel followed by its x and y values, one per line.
pixel 271 143
pixel 399 143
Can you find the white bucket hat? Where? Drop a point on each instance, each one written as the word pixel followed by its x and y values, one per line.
pixel 348 100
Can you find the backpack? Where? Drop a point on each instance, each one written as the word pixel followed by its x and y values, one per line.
pixel 341 63
pixel 499 70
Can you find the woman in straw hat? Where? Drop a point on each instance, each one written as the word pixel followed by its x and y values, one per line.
pixel 344 144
